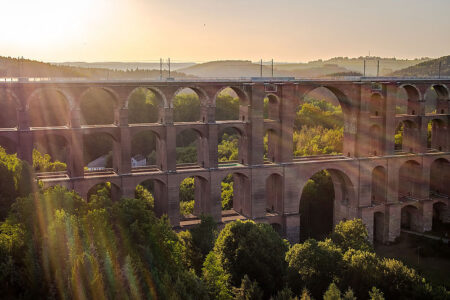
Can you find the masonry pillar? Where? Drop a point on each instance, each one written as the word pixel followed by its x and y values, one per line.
pixel 367 218
pixel 394 219
pixel 215 203
pixel 170 142
pixel 390 122
pixel 255 132
pixel 173 200
pixel 427 216
pixel 212 146
pixel 392 172
pixel 25 141
pixel 292 227
pixel 287 116
pixel 77 153
pixel 122 148
pixel 422 138
pixel 363 135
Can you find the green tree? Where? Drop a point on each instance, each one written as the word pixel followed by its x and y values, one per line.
pixel 247 248
pixel 314 265
pixel 376 294
pixel 249 290
pixel 333 293
pixel 351 234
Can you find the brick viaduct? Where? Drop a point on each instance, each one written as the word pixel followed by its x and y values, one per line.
pixel 372 181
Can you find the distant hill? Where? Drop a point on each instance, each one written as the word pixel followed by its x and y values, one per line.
pixel 427 69
pixel 20 67
pixel 246 68
pixel 124 66
pixel 387 65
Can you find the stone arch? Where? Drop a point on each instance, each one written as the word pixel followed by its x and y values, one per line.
pixel 442 93
pixel 340 207
pixel 147 149
pixel 142 109
pixel 227 135
pixel 441 214
pixel 55 144
pixel 379 185
pixel 115 192
pixel 241 191
pixel 48 107
pixel 10 145
pixel 272 149
pixel 410 180
pixel 242 110
pixel 187 138
pixel 9 108
pixel 413 98
pixel 158 190
pixel 161 97
pixel 272 107
pixel 243 97
pixel 101 150
pixel 99 104
pixel 437 135
pixel 376 140
pixel 440 178
pixel 377 105
pixel 201 93
pixel 343 118
pixel 407 139
pixel 66 95
pixel 201 199
pixel 274 193
pixel 410 218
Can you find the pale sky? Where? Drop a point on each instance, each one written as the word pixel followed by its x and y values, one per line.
pixel 202 30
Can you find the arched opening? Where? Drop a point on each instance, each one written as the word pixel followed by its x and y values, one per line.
pixel 97 107
pixel 153 191
pixel 235 196
pixel 408 100
pixel 145 150
pixel 376 141
pixel 379 185
pixel 376 106
pixel 378 227
pixel 409 181
pixel 48 108
pixel 328 194
pixel 50 153
pixel 406 136
pixel 145 106
pixel 436 135
pixel 442 98
pixel 431 101
pixel 410 218
pixel 194 193
pixel 104 192
pixel 229 146
pixel 272 108
pixel 319 124
pixel 187 106
pixel 99 152
pixel 274 194
pixel 228 104
pixel 9 145
pixel 440 178
pixel 8 110
pixel 441 218
pixel 271 146
pixel 189 148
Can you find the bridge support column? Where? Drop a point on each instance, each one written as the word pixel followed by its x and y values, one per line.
pixel 258 199
pixel 256 127
pixel 394 220
pixel 427 216
pixel 389 136
pixel 422 138
pixel 367 218
pixel 173 203
pixel 122 152
pixel 215 201
pixel 287 107
pixel 292 227
pixel 212 146
pixel 77 154
pixel 25 146
pixel 171 142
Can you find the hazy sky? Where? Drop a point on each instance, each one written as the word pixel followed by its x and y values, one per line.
pixel 201 30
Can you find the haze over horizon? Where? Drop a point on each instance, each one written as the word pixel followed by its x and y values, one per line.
pixel 199 31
